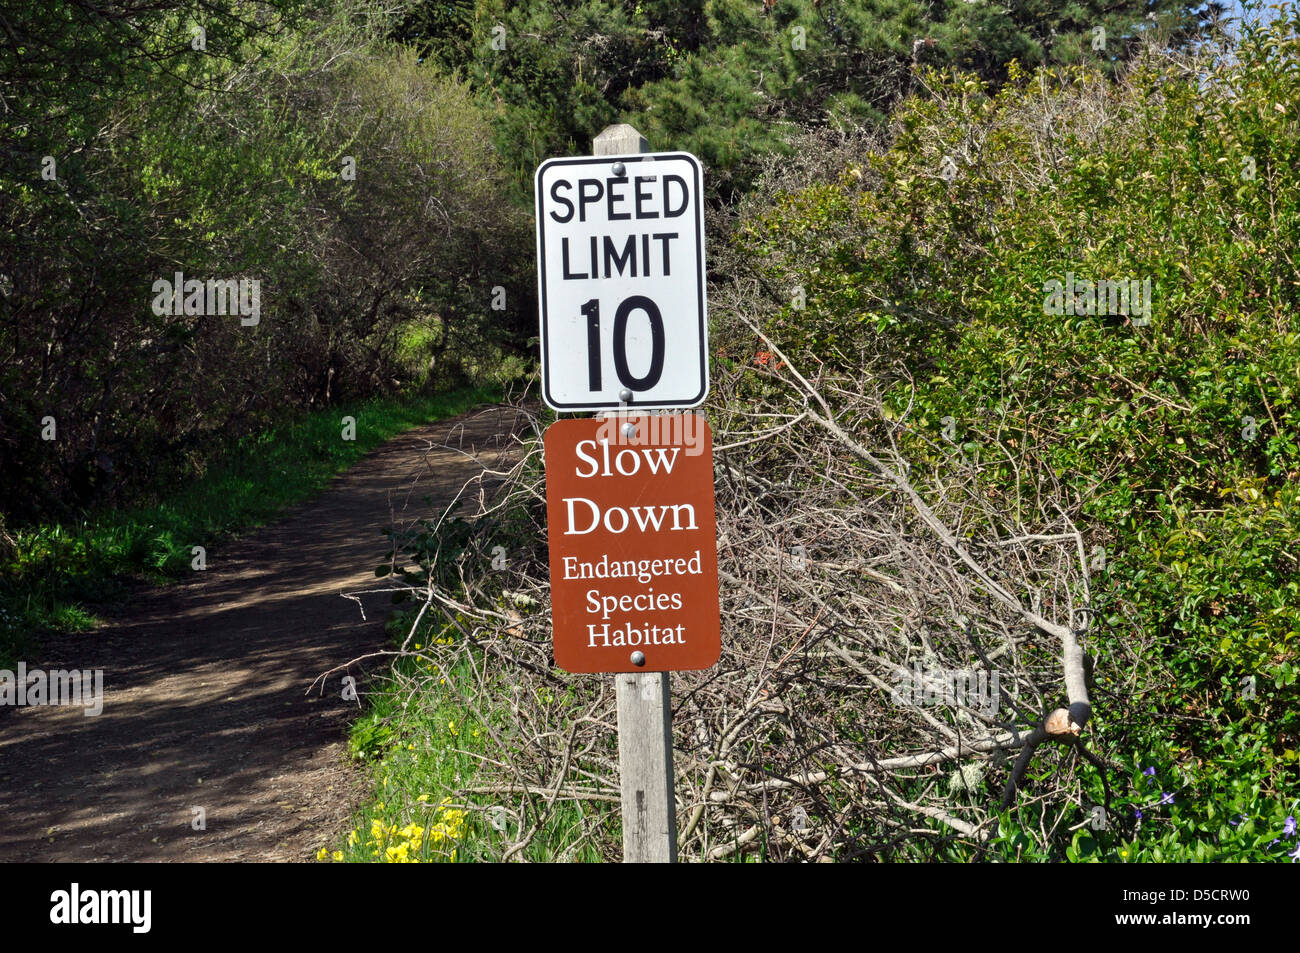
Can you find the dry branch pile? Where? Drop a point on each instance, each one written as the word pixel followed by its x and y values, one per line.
pixel 895 648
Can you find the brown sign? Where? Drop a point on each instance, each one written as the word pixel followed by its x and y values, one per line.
pixel 634 548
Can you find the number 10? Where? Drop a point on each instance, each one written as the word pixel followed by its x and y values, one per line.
pixel 591 310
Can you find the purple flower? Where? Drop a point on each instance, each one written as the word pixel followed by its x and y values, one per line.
pixel 1137 813
pixel 1150 773
pixel 1235 821
pixel 1166 798
pixel 1288 828
pixel 1295 854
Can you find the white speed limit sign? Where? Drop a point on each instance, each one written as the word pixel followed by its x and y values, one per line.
pixel 620 270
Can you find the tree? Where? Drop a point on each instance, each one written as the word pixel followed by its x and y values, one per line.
pixel 356 187
pixel 731 79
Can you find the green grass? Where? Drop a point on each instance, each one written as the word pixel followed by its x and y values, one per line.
pixel 422 744
pixel 59 571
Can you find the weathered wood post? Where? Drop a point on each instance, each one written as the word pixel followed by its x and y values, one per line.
pixel 645 729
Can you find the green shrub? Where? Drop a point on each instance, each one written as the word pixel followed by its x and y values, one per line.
pixel 1178 438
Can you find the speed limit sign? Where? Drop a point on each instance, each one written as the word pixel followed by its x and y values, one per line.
pixel 620 270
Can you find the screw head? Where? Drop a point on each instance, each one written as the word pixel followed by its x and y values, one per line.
pixel 619 168
pixel 629 430
pixel 625 396
pixel 638 659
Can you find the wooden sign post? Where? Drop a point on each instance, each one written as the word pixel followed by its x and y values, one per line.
pixel 645 711
pixel 630 512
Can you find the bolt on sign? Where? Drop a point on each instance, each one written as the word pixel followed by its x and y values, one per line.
pixel 620 273
pixel 633 544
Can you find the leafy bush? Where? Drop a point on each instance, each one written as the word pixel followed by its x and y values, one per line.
pixel 927 265
pixel 359 188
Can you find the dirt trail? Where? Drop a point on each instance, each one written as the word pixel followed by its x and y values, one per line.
pixel 205 682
